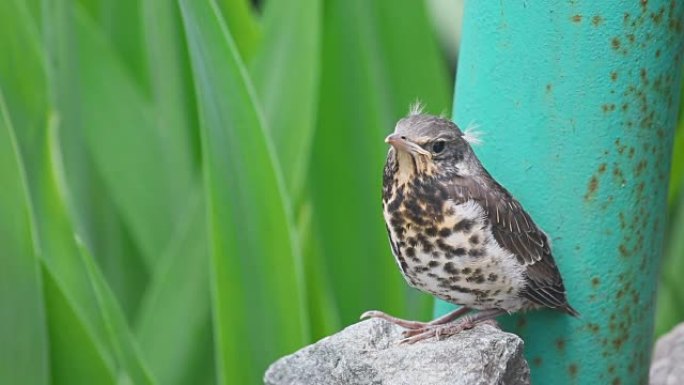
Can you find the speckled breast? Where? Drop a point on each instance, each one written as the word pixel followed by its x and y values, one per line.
pixel 447 249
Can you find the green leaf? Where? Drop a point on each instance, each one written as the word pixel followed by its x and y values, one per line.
pixel 76 356
pixel 677 172
pixel 121 23
pixel 23 336
pixel 242 24
pixel 324 316
pixel 257 286
pixel 174 324
pixel 24 358
pixel 146 179
pixel 286 71
pixel 21 70
pixel 54 237
pixel 371 73
pixel 86 295
pixel 671 289
pixel 95 214
pixel 120 340
pixel 172 92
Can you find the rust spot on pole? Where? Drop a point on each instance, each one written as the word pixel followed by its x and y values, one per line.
pixel 593 327
pixel 615 43
pixel 610 107
pixel 657 17
pixel 643 73
pixel 623 251
pixel 591 188
pixel 560 344
pixel 595 282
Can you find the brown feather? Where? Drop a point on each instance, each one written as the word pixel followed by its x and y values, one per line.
pixel 515 231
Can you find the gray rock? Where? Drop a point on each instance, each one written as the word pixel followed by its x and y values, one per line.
pixel 368 353
pixel 667 366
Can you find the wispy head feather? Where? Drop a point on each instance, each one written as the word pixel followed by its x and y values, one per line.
pixel 472 135
pixel 416 108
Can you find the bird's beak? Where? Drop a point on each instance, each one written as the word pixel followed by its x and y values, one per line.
pixel 402 143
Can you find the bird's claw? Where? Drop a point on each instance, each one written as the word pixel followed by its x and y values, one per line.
pixel 397 321
pixel 371 314
pixel 439 331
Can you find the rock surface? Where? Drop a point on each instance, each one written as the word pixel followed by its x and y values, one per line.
pixel 368 353
pixel 667 366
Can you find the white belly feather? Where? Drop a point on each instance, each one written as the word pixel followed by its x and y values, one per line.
pixel 463 266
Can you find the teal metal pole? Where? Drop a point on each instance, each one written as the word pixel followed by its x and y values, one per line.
pixel 577 101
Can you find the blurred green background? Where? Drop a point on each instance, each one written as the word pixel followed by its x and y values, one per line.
pixel 190 189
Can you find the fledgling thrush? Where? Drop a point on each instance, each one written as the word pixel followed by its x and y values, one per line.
pixel 458 234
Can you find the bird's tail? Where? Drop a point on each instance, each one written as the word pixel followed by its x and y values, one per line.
pixel 566 308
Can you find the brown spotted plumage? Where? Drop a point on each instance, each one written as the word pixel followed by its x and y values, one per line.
pixel 458 234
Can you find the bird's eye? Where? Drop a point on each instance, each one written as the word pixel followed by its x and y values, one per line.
pixel 438 146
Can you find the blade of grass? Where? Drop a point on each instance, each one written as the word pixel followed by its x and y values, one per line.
pixel 172 91
pixel 121 24
pixel 95 216
pixel 174 324
pixel 677 171
pixel 413 63
pixel 101 227
pixel 671 290
pixel 54 237
pixel 24 118
pixel 120 339
pixel 75 273
pixel 363 93
pixel 323 313
pixel 21 69
pixel 121 141
pixel 23 336
pixel 257 286
pixel 288 93
pixel 24 358
pixel 146 181
pixel 76 357
pixel 243 25
pixel 288 90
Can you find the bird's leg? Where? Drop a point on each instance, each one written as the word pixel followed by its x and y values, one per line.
pixel 446 330
pixel 450 316
pixel 438 321
pixel 416 325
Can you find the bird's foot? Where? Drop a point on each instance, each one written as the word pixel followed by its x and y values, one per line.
pixel 444 330
pixel 416 325
pixel 441 331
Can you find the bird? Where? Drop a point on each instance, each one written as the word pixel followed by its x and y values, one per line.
pixel 459 235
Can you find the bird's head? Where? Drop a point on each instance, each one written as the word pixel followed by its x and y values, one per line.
pixel 426 145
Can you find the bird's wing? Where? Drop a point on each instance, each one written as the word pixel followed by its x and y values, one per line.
pixel 515 231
